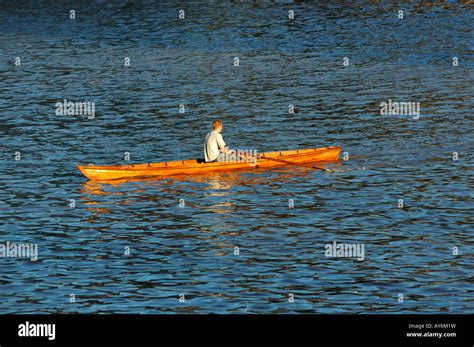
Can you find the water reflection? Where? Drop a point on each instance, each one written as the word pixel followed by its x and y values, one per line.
pixel 215 182
pixel 211 193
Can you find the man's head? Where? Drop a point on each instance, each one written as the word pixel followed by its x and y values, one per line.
pixel 217 125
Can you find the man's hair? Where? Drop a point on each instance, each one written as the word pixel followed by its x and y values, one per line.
pixel 215 124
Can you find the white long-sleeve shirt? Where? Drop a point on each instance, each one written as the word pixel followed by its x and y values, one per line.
pixel 214 142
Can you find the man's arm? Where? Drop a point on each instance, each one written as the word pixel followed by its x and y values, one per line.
pixel 225 150
pixel 222 147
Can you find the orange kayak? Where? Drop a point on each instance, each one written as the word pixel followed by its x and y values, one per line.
pixel 196 166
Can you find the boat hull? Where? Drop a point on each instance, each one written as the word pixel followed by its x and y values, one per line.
pixel 192 167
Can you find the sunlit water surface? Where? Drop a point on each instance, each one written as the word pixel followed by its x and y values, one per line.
pixel 192 250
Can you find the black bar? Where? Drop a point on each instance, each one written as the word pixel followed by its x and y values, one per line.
pixel 225 329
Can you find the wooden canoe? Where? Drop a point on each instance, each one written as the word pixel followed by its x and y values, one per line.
pixel 195 166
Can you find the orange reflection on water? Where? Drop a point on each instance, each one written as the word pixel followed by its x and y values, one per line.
pixel 100 197
pixel 216 181
pixel 214 185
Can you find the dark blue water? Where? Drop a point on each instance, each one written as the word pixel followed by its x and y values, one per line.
pixel 190 250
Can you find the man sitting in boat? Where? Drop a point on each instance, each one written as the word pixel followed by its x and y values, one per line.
pixel 214 146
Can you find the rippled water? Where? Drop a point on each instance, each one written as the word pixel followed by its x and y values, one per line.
pixel 190 250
